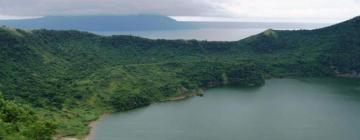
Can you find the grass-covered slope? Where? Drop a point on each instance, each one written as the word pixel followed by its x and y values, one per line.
pixel 72 77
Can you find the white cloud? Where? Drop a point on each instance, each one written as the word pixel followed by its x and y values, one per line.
pixel 86 7
pixel 293 10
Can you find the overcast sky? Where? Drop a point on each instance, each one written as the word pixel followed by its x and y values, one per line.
pixel 275 10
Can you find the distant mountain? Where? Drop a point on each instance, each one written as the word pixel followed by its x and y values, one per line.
pixel 99 23
pixel 139 23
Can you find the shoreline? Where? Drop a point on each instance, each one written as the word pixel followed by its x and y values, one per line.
pixel 94 123
pixel 184 96
pixel 91 134
pixel 92 126
pixel 178 98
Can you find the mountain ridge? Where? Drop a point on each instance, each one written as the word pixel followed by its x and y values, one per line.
pixel 99 23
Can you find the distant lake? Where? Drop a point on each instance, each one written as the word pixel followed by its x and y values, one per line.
pixel 198 34
pixel 283 109
pixel 217 32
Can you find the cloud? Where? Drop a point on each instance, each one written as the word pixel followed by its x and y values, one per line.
pixel 274 9
pixel 311 9
pixel 81 7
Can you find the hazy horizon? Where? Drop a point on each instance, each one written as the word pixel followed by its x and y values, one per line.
pixel 314 11
pixel 185 19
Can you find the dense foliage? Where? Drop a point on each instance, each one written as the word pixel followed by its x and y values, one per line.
pixel 73 76
pixel 22 123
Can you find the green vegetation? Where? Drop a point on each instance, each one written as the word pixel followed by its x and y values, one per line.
pixel 22 123
pixel 72 77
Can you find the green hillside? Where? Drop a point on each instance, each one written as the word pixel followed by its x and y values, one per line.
pixel 72 77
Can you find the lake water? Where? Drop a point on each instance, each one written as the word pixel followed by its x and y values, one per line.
pixel 219 31
pixel 198 34
pixel 283 109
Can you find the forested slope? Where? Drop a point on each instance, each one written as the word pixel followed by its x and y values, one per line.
pixel 332 51
pixel 72 77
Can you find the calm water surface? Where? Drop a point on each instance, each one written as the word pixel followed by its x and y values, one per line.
pixel 220 33
pixel 283 109
pixel 198 34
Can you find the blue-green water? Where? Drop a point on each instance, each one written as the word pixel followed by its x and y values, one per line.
pixel 283 109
